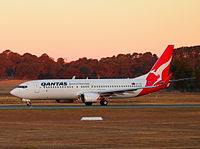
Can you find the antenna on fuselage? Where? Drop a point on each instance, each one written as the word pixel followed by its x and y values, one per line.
pixel 74 77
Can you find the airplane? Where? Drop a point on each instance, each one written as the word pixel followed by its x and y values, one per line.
pixel 91 91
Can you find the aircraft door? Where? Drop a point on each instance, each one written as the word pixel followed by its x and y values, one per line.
pixel 36 88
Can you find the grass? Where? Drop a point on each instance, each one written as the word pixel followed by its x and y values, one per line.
pixel 121 128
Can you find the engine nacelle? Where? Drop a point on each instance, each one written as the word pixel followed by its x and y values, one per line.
pixel 90 97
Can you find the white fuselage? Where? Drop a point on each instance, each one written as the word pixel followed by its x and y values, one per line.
pixel 73 88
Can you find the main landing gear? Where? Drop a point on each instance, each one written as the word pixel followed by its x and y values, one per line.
pixel 28 102
pixel 104 102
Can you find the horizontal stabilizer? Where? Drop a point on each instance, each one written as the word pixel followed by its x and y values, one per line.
pixel 183 79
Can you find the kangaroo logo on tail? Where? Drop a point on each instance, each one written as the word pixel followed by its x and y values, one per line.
pixel 158 75
pixel 160 71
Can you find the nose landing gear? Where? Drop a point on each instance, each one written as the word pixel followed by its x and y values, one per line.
pixel 28 102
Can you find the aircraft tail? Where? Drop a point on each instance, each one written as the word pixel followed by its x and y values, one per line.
pixel 160 71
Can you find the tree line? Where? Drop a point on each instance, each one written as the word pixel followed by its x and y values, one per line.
pixel 185 63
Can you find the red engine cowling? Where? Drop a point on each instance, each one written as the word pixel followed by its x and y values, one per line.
pixel 90 97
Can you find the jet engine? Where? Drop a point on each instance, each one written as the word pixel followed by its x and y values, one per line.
pixel 90 97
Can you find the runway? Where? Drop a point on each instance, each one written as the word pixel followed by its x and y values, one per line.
pixel 51 107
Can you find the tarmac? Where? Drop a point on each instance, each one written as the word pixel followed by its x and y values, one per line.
pixel 51 107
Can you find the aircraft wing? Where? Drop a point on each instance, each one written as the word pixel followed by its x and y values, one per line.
pixel 121 91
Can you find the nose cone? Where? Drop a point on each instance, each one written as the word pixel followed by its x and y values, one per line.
pixel 15 92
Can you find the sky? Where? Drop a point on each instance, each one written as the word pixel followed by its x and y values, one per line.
pixel 97 28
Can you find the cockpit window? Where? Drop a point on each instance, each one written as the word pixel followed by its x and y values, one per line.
pixel 21 86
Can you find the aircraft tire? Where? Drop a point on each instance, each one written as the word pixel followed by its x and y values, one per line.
pixel 104 102
pixel 29 104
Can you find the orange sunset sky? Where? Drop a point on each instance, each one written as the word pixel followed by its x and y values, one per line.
pixel 97 28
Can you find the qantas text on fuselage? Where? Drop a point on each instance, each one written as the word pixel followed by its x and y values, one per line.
pixel 99 90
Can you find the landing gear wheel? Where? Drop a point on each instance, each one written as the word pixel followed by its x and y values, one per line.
pixel 29 104
pixel 104 102
pixel 88 103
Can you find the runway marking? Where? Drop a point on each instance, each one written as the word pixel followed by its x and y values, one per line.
pixel 39 107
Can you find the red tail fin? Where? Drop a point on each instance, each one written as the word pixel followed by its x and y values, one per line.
pixel 160 70
pixel 158 75
pixel 162 65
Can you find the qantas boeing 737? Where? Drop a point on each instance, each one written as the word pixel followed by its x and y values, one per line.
pixel 99 90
